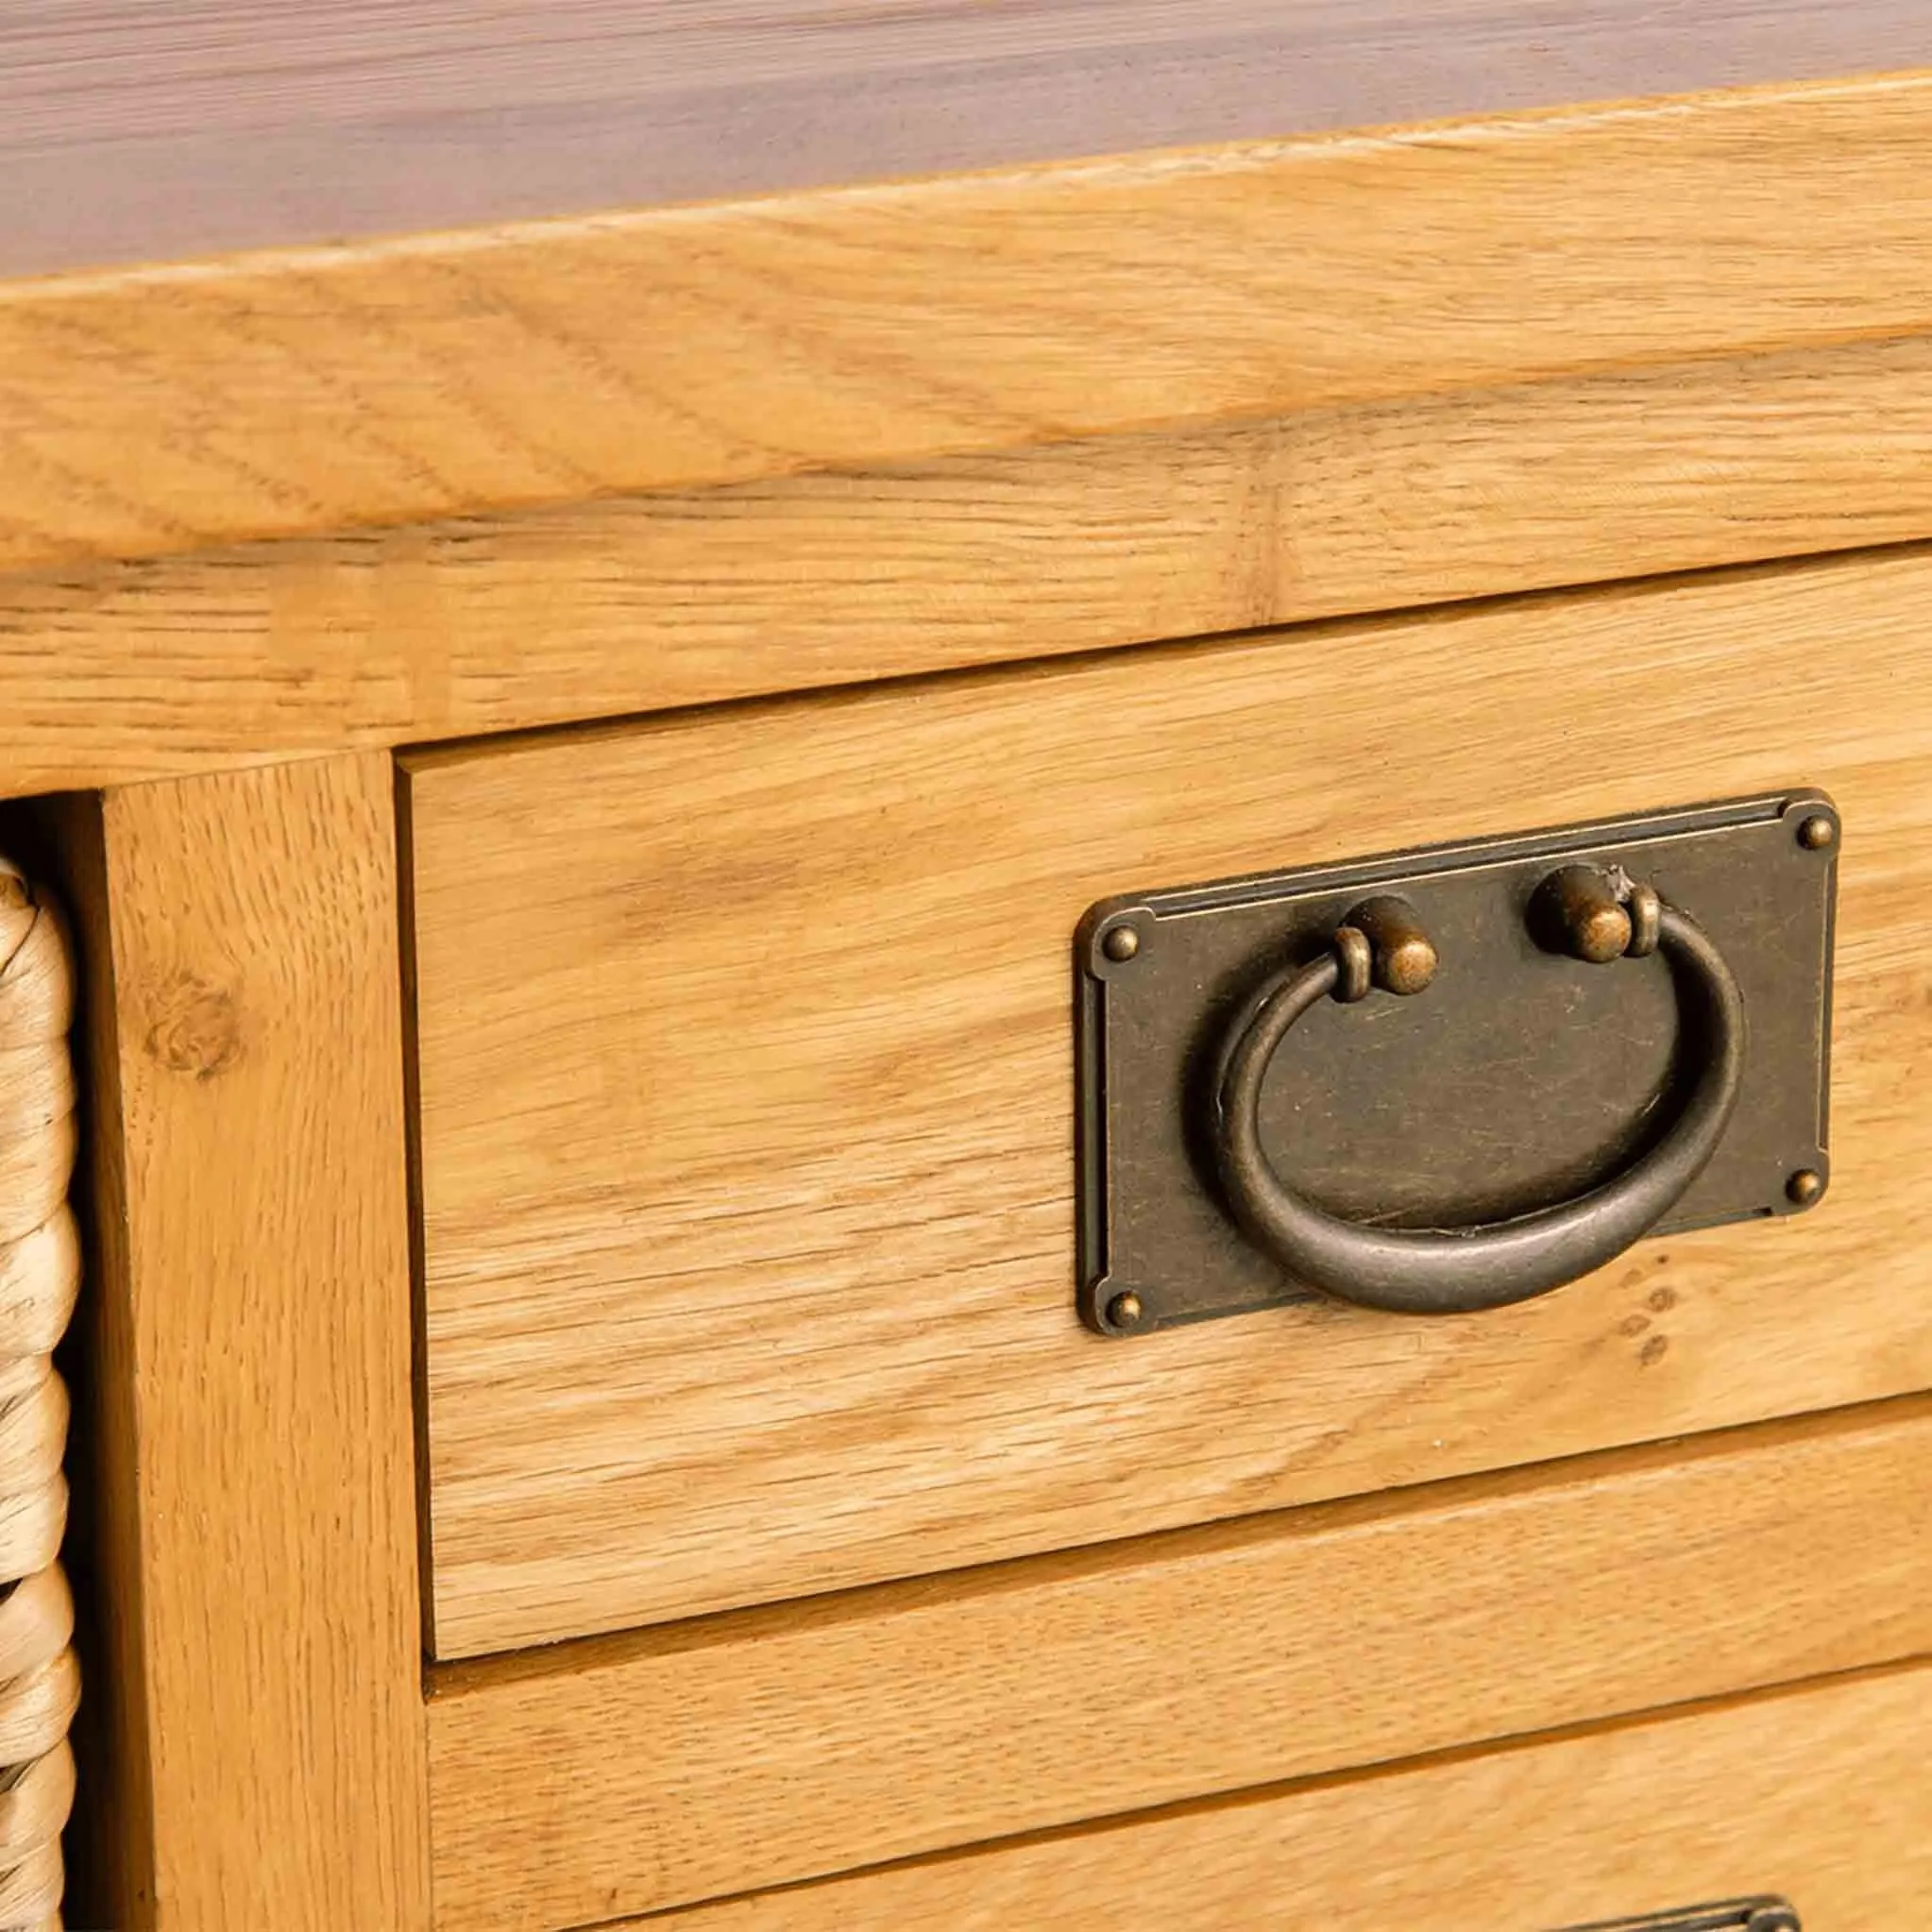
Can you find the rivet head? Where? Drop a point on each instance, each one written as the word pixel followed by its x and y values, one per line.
pixel 1603 934
pixel 1125 1310
pixel 1410 964
pixel 1817 832
pixel 1121 944
pixel 1805 1187
pixel 1404 955
pixel 1578 909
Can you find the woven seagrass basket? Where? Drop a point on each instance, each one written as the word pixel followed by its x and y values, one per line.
pixel 39 1276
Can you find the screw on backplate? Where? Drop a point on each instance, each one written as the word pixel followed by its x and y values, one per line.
pixel 1805 1187
pixel 1817 832
pixel 1121 944
pixel 1125 1310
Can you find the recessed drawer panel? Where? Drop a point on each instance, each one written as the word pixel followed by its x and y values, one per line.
pixel 657 1768
pixel 1823 1792
pixel 747 1094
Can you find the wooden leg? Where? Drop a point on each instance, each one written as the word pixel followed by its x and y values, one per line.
pixel 253 1299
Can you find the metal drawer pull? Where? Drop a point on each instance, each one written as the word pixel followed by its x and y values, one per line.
pixel 1739 1915
pixel 1596 917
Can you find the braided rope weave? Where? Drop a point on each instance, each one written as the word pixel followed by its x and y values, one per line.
pixel 39 1276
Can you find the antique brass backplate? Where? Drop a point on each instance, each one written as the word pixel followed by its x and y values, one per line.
pixel 1463 1090
pixel 1739 1915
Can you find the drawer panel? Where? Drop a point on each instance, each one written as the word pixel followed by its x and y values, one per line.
pixel 664 1766
pixel 746 1094
pixel 1822 1794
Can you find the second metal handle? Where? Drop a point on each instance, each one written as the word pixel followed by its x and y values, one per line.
pixel 1454 1270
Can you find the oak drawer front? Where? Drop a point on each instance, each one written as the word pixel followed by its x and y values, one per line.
pixel 746 1096
pixel 659 1768
pixel 1820 1794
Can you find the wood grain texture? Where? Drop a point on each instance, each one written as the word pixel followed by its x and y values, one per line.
pixel 1820 1794
pixel 255 1259
pixel 745 1045
pixel 150 133
pixel 649 1769
pixel 170 409
pixel 117 672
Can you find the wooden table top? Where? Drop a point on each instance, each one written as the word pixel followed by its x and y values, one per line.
pixel 135 133
pixel 480 427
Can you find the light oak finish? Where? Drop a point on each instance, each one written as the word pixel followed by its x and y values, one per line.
pixel 646 1770
pixel 148 132
pixel 258 1563
pixel 1071 406
pixel 746 1083
pixel 1821 1794
pixel 117 672
pixel 151 410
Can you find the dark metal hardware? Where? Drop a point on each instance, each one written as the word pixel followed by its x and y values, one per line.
pixel 1520 1122
pixel 1454 1271
pixel 1737 1915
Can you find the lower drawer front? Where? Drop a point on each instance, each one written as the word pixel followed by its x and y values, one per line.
pixel 1821 1794
pixel 667 1767
pixel 745 1073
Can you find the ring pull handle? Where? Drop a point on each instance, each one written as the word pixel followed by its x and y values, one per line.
pixel 1596 917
